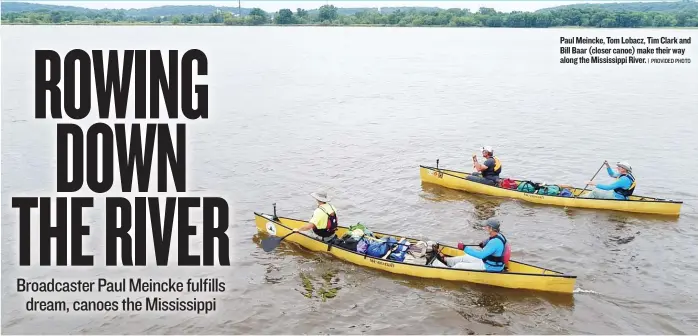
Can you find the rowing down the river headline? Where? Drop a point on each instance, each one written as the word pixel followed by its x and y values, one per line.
pixel 126 221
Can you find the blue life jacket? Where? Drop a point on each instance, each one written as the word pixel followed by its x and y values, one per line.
pixel 493 260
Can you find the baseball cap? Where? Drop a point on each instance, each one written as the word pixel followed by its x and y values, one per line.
pixel 493 223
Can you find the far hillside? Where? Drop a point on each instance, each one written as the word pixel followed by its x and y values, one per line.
pixel 383 10
pixel 171 10
pixel 666 6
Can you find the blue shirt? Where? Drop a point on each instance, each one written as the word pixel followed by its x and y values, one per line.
pixel 493 247
pixel 624 182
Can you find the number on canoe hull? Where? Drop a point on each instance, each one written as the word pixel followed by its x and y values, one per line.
pixel 438 174
pixel 271 228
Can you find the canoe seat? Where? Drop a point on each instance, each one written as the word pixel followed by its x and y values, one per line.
pixel 435 249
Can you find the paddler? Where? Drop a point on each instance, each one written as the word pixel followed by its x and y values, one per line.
pixel 492 257
pixel 324 220
pixel 623 187
pixel 488 171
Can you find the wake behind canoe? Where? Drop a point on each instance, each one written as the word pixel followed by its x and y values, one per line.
pixel 453 179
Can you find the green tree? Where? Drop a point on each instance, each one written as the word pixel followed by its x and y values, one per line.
pixel 216 17
pixel 494 21
pixel 258 12
pixel 347 20
pixel 55 17
pixel 328 13
pixel 228 19
pixel 487 11
pixel 285 16
pixel 663 20
pixel 464 21
pixel 257 17
pixel 608 22
pixel 543 20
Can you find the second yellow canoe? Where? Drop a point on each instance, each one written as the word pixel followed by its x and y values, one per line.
pixel 638 204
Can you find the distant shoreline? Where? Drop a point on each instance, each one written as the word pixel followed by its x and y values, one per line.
pixel 321 25
pixel 683 14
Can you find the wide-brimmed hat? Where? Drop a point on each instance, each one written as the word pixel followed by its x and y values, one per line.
pixel 320 196
pixel 625 166
pixel 487 149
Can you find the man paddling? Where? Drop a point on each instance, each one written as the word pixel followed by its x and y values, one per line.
pixel 324 220
pixel 488 171
pixel 492 258
pixel 623 187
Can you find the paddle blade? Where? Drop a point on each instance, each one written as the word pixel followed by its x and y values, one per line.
pixel 269 244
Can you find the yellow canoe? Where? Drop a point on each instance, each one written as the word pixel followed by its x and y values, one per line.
pixel 639 204
pixel 517 276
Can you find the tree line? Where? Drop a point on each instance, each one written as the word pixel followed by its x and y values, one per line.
pixel 329 15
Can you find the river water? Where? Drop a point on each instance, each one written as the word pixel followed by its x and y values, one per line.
pixel 355 111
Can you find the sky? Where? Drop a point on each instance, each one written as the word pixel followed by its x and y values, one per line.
pixel 269 5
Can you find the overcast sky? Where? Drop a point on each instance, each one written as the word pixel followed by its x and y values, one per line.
pixel 268 5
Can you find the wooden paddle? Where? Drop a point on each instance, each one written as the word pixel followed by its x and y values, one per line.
pixel 592 178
